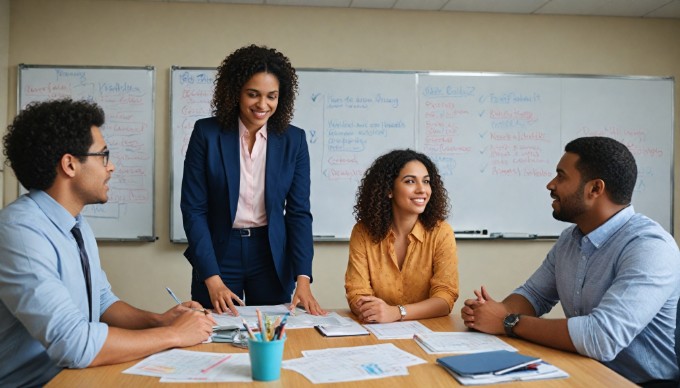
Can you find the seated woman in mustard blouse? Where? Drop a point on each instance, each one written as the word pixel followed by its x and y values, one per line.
pixel 402 252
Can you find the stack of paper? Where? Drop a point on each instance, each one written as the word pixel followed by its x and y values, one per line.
pixel 460 342
pixel 497 367
pixel 397 330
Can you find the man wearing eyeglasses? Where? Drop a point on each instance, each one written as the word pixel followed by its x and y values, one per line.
pixel 58 310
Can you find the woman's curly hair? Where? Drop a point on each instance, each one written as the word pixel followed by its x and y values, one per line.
pixel 44 132
pixel 373 206
pixel 237 68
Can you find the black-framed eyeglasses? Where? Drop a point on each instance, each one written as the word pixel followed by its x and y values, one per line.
pixel 105 154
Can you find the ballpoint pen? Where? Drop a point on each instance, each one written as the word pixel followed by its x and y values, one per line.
pixel 172 294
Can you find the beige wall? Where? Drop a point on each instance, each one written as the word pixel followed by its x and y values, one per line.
pixel 131 33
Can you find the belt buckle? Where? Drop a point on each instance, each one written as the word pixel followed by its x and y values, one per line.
pixel 245 232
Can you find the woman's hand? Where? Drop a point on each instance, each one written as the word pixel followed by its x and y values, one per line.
pixel 375 310
pixel 303 296
pixel 221 296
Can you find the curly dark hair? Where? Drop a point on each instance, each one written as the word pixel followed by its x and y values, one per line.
pixel 44 132
pixel 374 208
pixel 607 159
pixel 237 68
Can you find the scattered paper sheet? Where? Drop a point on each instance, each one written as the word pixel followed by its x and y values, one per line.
pixel 389 353
pixel 301 320
pixel 397 330
pixel 353 363
pixel 460 342
pixel 186 365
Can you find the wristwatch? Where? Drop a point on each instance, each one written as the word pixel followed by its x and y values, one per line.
pixel 402 312
pixel 509 323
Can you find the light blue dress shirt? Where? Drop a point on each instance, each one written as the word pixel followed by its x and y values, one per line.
pixel 619 287
pixel 44 311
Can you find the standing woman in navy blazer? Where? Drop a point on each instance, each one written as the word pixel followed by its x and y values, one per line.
pixel 245 191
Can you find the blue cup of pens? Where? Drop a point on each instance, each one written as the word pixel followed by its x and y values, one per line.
pixel 265 358
pixel 266 347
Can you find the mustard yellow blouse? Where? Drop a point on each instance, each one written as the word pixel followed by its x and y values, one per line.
pixel 430 268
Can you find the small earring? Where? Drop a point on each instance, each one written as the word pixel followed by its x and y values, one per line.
pixel 389 195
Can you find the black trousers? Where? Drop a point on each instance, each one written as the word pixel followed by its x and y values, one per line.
pixel 248 270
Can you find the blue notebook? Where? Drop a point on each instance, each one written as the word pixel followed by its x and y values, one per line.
pixel 496 362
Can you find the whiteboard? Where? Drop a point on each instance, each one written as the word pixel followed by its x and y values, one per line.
pixel 126 94
pixel 496 138
pixel 350 118
pixel 191 91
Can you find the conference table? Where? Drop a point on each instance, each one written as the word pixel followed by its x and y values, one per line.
pixel 583 371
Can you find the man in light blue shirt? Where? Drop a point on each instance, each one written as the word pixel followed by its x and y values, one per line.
pixel 57 309
pixel 616 273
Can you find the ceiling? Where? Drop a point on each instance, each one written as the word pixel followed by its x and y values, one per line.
pixel 625 8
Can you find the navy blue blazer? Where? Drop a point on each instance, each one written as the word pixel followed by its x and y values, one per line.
pixel 210 189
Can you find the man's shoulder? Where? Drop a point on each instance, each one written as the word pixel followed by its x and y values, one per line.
pixel 647 243
pixel 640 225
pixel 22 210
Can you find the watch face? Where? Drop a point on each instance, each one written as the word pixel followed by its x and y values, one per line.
pixel 511 320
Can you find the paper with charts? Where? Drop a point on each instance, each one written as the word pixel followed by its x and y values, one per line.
pixel 300 320
pixel 460 342
pixel 397 330
pixel 333 365
pixel 178 365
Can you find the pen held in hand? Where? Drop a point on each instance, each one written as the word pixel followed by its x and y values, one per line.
pixel 172 294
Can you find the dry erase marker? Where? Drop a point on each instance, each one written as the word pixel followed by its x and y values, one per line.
pixel 518 235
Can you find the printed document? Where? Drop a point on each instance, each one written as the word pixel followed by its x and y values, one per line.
pixel 187 365
pixel 301 320
pixel 460 342
pixel 397 330
pixel 352 363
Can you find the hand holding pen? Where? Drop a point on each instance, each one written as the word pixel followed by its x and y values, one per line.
pixel 179 302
